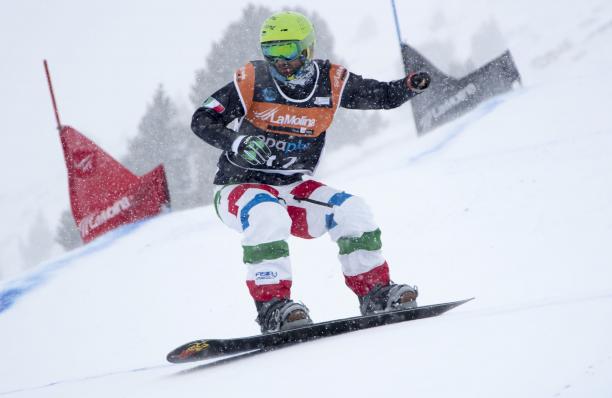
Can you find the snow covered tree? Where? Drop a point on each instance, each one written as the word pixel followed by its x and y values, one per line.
pixel 66 233
pixel 38 244
pixel 163 138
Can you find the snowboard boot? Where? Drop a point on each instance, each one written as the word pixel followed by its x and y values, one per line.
pixel 388 298
pixel 281 314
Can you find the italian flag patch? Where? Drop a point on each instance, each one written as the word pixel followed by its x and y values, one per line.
pixel 213 104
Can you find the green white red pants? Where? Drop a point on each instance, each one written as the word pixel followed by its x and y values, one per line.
pixel 267 214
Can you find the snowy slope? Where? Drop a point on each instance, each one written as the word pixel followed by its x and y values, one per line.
pixel 511 204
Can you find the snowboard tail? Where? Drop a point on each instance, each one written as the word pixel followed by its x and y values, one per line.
pixel 213 348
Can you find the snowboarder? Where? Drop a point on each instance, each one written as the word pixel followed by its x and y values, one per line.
pixel 284 105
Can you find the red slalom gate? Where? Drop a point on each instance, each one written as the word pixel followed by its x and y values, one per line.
pixel 103 193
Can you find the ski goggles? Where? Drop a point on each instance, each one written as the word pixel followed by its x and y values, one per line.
pixel 286 51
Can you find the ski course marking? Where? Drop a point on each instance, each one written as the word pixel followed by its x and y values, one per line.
pixel 15 289
pixel 85 379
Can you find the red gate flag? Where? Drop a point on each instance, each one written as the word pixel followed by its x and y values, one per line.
pixel 103 193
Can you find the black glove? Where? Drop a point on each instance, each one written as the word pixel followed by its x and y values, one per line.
pixel 418 81
pixel 253 149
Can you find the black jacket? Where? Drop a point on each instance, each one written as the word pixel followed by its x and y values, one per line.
pixel 210 124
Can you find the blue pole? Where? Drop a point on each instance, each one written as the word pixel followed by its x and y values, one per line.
pixel 397 28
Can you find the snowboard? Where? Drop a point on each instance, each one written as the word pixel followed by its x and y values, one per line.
pixel 214 348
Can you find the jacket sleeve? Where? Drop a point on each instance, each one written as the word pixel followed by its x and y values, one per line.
pixel 360 93
pixel 219 110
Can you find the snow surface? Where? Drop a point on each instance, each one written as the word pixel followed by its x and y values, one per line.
pixel 511 204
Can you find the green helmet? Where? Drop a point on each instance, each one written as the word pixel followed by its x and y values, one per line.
pixel 285 33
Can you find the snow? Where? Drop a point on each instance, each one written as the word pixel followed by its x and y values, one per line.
pixel 511 204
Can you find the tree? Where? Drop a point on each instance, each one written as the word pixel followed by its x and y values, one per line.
pixel 38 243
pixel 66 233
pixel 163 138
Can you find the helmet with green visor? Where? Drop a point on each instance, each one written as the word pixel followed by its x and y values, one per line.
pixel 286 37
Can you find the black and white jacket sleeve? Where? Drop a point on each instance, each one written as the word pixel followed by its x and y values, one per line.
pixel 210 121
pixel 360 93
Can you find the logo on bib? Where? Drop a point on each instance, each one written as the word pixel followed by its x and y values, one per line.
pixel 271 116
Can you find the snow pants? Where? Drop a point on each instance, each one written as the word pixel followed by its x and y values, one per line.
pixel 267 214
